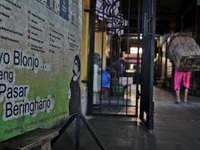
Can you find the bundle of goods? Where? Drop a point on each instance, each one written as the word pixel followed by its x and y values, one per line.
pixel 184 52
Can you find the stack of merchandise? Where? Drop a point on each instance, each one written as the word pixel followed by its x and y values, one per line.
pixel 184 52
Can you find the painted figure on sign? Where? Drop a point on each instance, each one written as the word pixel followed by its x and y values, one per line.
pixel 74 89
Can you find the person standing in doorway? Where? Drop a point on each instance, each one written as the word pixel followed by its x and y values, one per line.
pixel 178 77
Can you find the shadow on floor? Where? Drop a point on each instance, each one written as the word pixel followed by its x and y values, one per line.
pixel 176 127
pixel 116 133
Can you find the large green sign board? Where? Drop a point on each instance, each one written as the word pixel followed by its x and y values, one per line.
pixel 39 40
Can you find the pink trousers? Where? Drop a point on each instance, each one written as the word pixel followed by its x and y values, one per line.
pixel 178 77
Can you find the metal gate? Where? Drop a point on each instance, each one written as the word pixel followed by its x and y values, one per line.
pixel 120 22
pixel 116 23
pixel 147 75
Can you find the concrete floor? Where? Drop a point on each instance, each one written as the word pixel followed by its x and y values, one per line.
pixel 176 127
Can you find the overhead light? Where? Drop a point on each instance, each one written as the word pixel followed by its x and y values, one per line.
pixel 134 50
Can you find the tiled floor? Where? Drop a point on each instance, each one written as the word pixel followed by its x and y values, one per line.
pixel 176 127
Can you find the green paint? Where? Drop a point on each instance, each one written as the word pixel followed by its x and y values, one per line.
pixel 46 86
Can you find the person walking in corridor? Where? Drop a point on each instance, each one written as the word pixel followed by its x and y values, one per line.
pixel 178 76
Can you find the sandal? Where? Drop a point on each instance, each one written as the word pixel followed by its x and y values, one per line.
pixel 177 102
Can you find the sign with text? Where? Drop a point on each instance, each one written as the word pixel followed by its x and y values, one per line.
pixel 125 80
pixel 38 44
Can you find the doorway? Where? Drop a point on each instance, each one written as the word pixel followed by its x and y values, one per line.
pixel 122 58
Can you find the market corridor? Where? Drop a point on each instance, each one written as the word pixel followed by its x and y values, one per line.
pixel 176 127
